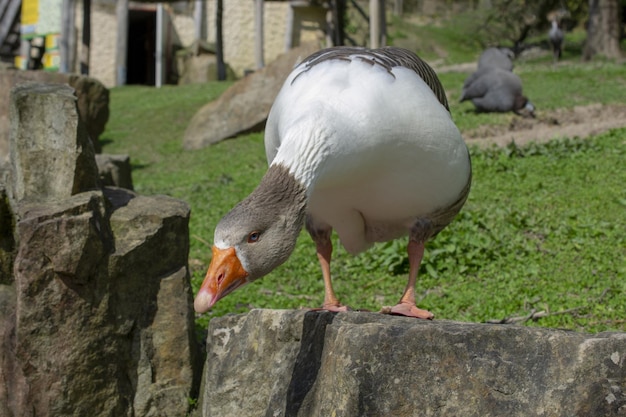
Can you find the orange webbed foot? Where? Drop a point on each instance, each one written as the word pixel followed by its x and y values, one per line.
pixel 334 308
pixel 409 310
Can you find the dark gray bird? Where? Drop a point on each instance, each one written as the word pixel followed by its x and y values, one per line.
pixel 556 40
pixel 496 58
pixel 496 90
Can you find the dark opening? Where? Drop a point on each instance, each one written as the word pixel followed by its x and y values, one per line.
pixel 141 47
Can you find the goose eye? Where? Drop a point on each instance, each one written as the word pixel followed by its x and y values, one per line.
pixel 254 237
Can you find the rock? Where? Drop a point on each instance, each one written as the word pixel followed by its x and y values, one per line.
pixel 66 342
pixel 51 155
pixel 7 240
pixel 153 294
pixel 92 101
pixel 12 384
pixel 115 170
pixel 197 64
pixel 245 105
pixel 297 363
pixel 101 323
pixel 96 313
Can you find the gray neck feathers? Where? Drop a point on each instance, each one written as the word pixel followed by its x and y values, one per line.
pixel 278 194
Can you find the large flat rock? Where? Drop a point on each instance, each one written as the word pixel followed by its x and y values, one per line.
pixel 243 108
pixel 297 363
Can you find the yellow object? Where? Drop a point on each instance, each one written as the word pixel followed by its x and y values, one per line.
pixel 20 62
pixel 52 41
pixel 51 60
pixel 30 12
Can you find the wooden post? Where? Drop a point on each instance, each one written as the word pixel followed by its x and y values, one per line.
pixel 398 6
pixel 219 43
pixel 198 18
pixel 68 37
pixel 289 33
pixel 339 8
pixel 86 38
pixel 122 41
pixel 258 37
pixel 383 23
pixel 158 64
pixel 374 23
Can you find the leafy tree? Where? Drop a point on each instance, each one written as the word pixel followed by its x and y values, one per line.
pixel 511 22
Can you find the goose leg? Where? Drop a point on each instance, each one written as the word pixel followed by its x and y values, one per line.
pixel 324 247
pixel 406 306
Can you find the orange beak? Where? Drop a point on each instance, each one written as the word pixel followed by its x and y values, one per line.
pixel 225 275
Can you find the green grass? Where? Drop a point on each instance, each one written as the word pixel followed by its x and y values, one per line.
pixel 543 227
pixel 568 85
pixel 433 43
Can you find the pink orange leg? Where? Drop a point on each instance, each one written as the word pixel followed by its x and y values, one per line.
pixel 324 247
pixel 406 306
pixel 324 253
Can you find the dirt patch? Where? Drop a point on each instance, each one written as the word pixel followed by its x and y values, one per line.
pixel 582 122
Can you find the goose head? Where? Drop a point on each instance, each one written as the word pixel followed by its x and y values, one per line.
pixel 255 237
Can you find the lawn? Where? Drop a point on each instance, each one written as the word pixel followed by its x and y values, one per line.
pixel 543 231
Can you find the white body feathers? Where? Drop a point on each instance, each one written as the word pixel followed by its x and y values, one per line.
pixel 375 149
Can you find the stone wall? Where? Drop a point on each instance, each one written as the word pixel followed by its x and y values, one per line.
pixel 238 23
pixel 102 53
pixel 95 307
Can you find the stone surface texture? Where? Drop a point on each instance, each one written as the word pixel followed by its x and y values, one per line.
pixel 51 154
pixel 92 99
pixel 296 363
pixel 96 311
pixel 115 170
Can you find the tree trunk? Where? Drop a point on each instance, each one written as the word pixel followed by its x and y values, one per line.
pixel 603 30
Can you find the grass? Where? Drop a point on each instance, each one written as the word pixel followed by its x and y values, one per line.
pixel 543 228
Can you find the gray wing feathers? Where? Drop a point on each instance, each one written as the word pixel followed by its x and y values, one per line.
pixel 388 57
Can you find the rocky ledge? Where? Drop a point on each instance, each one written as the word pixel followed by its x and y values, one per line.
pixel 297 363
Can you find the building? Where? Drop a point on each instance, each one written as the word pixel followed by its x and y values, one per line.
pixel 128 42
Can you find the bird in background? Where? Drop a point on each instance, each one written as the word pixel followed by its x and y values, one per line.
pixel 496 57
pixel 496 90
pixel 358 141
pixel 556 37
pixel 493 87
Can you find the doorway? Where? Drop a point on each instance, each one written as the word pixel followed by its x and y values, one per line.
pixel 141 52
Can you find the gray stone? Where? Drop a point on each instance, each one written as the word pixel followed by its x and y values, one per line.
pixel 243 107
pixel 114 170
pixel 65 343
pixel 152 292
pixel 51 155
pixel 96 313
pixel 99 321
pixel 92 101
pixel 197 64
pixel 7 239
pixel 297 363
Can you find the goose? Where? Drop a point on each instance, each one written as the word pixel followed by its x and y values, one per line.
pixel 496 90
pixel 556 39
pixel 358 141
pixel 496 57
